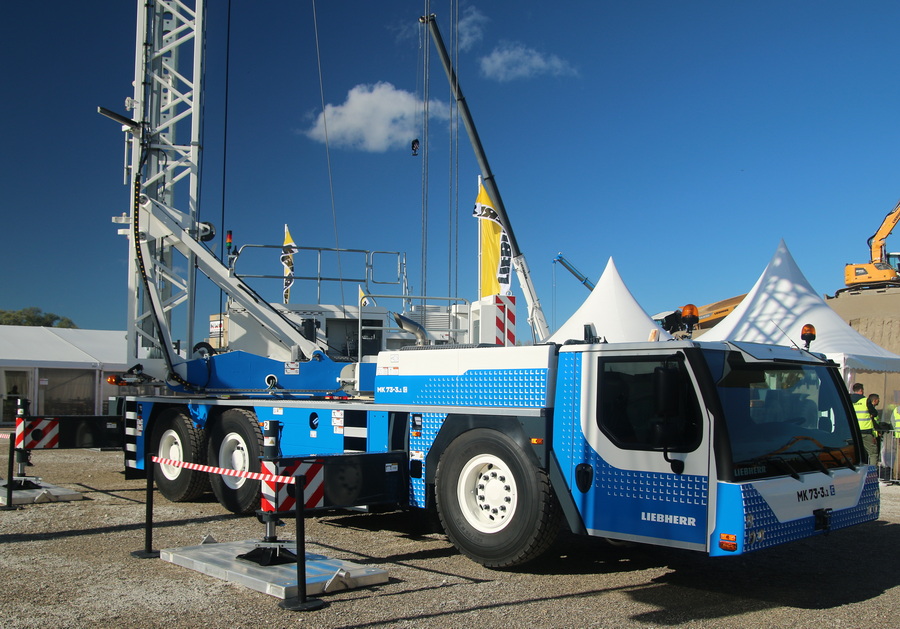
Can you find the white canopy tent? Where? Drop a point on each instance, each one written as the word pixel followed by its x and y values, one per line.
pixel 614 313
pixel 778 306
pixel 59 370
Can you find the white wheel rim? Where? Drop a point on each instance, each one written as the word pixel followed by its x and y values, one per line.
pixel 170 447
pixel 487 493
pixel 233 456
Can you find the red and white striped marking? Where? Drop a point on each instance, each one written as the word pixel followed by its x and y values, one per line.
pixel 4 435
pixel 277 496
pixel 506 319
pixel 37 434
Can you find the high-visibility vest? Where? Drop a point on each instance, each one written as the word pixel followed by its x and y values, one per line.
pixel 863 416
pixel 895 416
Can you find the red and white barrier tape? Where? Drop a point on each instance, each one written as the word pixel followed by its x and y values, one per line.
pixel 5 435
pixel 218 470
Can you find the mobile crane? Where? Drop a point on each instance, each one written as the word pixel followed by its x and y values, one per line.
pixel 882 268
pixel 722 448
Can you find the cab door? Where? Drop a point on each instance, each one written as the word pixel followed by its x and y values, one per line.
pixel 639 462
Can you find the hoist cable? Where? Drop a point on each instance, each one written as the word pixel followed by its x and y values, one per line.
pixel 425 157
pixel 224 162
pixel 328 159
pixel 453 209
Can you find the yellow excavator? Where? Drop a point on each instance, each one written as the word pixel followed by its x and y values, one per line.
pixel 881 270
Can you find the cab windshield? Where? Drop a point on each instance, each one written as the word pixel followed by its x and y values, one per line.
pixel 784 419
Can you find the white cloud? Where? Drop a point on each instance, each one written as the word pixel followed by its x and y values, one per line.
pixel 471 28
pixel 511 61
pixel 374 118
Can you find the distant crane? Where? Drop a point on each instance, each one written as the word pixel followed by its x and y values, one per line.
pixel 581 277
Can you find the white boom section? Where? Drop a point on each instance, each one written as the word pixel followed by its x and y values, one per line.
pixel 168 224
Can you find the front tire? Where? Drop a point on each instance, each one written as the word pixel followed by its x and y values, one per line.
pixel 495 504
pixel 176 438
pixel 235 443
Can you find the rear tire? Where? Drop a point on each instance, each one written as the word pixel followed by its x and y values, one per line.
pixel 235 443
pixel 176 438
pixel 495 504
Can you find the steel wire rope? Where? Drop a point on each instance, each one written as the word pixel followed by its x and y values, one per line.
pixel 328 162
pixel 425 155
pixel 224 165
pixel 453 217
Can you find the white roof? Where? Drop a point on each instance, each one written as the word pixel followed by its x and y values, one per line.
pixel 32 346
pixel 778 306
pixel 614 312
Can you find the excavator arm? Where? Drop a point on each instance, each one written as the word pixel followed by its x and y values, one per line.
pixel 876 242
pixel 877 272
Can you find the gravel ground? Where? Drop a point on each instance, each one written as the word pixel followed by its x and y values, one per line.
pixel 69 564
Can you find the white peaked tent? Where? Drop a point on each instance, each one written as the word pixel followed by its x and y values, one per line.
pixel 613 311
pixel 781 302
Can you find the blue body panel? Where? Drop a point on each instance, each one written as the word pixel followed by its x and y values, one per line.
pixel 524 388
pixel 242 371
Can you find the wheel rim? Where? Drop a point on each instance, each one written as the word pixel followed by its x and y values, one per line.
pixel 170 447
pixel 233 456
pixel 487 493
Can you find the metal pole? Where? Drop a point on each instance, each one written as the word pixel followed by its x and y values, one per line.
pixel 301 603
pixel 148 552
pixel 9 474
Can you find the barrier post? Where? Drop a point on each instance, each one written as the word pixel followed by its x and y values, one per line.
pixel 148 552
pixel 23 456
pixel 9 475
pixel 301 603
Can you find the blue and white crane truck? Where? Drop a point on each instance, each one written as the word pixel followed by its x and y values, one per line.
pixel 724 448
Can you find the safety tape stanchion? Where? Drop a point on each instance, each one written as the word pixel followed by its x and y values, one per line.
pixel 148 552
pixel 300 603
pixel 9 476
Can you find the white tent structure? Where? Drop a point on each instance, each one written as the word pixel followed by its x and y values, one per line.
pixel 613 312
pixel 60 371
pixel 778 306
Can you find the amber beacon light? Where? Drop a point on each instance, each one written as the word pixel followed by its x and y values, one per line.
pixel 808 334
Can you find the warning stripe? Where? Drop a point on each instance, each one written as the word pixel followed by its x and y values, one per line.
pixel 36 434
pixel 4 435
pixel 218 470
pixel 276 497
pixel 505 320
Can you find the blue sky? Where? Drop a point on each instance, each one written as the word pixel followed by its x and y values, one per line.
pixel 684 139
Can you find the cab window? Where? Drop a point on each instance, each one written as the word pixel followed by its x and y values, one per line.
pixel 631 410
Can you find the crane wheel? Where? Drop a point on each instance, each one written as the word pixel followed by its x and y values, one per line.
pixel 494 502
pixel 176 438
pixel 235 443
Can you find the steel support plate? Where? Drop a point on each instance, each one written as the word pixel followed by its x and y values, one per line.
pixel 45 492
pixel 323 575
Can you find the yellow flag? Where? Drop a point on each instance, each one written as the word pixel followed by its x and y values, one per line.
pixel 493 246
pixel 288 249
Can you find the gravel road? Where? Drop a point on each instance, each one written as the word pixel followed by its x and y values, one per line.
pixel 69 564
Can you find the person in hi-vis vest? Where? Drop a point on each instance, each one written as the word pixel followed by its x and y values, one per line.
pixel 867 416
